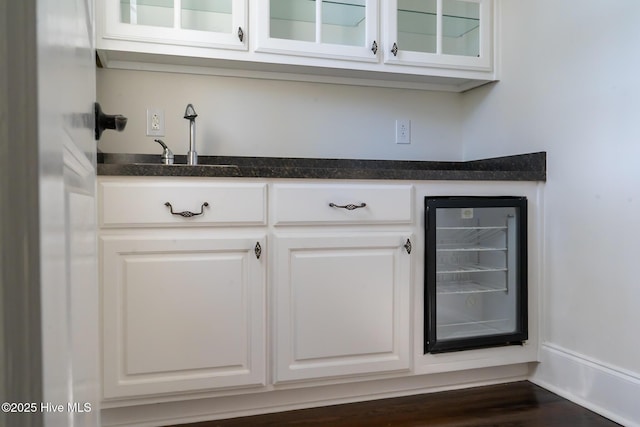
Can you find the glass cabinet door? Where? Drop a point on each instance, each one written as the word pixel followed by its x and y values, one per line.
pixel 440 32
pixel 319 28
pixel 214 23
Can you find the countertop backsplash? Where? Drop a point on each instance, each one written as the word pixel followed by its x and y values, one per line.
pixel 268 118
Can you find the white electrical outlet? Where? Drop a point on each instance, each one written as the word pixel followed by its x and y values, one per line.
pixel 403 131
pixel 155 122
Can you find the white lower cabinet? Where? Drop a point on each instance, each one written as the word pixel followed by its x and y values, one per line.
pixel 181 312
pixel 183 280
pixel 228 297
pixel 342 304
pixel 341 279
pixel 185 296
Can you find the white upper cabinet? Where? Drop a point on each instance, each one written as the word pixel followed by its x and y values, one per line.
pixel 219 24
pixel 331 29
pixel 439 33
pixel 415 44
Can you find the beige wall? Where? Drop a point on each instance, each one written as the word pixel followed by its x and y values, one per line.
pixel 254 117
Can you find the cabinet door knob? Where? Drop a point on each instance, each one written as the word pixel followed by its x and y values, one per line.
pixel 394 49
pixel 258 250
pixel 187 214
pixel 407 246
pixel 374 47
pixel 349 207
pixel 240 34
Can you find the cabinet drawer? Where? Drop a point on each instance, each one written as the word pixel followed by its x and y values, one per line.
pixel 342 204
pixel 136 203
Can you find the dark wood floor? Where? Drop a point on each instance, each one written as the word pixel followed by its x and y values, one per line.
pixel 520 404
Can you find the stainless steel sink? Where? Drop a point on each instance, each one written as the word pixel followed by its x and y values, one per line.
pixel 183 165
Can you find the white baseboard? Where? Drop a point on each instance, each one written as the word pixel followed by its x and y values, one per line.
pixel 205 409
pixel 610 392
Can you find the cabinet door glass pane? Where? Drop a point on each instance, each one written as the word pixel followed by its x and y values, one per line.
pixel 206 15
pixel 460 28
pixel 293 19
pixel 344 22
pixel 417 25
pixel 157 13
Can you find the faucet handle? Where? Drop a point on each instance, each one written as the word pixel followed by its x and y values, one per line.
pixel 167 154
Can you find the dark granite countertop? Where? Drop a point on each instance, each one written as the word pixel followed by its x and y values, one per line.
pixel 522 167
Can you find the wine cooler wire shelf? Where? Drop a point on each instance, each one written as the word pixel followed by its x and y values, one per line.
pixel 459 235
pixel 474 328
pixel 466 268
pixel 468 287
pixel 462 247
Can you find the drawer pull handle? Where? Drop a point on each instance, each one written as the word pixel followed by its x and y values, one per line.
pixel 187 214
pixel 349 207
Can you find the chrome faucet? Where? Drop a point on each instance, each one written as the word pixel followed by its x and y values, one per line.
pixel 167 154
pixel 190 114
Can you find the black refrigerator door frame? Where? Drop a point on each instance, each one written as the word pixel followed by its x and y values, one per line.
pixel 431 343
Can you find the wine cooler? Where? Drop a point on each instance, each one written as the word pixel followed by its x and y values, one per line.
pixel 475 272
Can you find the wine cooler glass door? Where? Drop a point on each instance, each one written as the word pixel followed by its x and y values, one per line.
pixel 475 272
